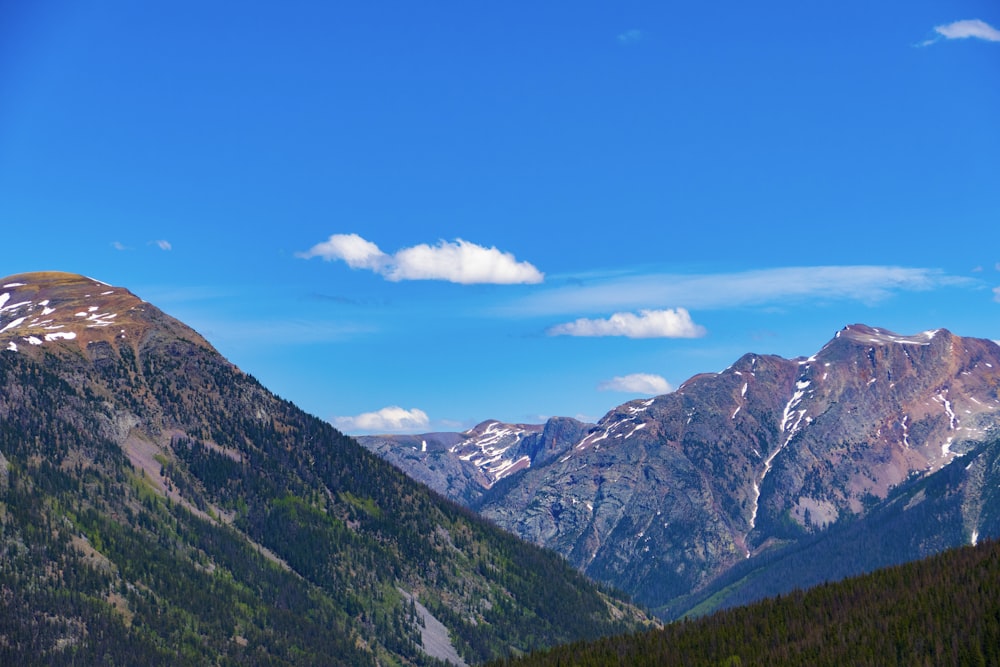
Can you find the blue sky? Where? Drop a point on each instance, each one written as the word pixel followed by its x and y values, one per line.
pixel 417 216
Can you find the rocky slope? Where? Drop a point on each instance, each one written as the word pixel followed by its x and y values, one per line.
pixel 665 496
pixel 464 466
pixel 159 506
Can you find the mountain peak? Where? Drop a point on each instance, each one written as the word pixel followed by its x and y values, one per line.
pixel 48 307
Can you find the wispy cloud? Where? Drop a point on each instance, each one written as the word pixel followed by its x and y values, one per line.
pixel 392 419
pixel 969 28
pixel 630 36
pixel 637 383
pixel 667 323
pixel 459 262
pixel 869 284
pixel 159 243
pixel 276 333
pixel 996 294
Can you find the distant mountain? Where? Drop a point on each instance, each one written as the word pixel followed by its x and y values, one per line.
pixel 464 466
pixel 159 506
pixel 665 496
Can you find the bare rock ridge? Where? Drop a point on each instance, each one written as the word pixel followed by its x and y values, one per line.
pixel 664 496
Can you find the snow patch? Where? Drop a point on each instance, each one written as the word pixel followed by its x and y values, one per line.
pixel 943 398
pixel 616 429
pixel 13 323
pixel 789 427
pixel 882 337
pixel 946 447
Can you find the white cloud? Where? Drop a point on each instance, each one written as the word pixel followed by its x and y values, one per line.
pixel 637 383
pixel 462 262
pixel 996 294
pixel 667 323
pixel 387 420
pixel 459 262
pixel 969 28
pixel 163 245
pixel 356 251
pixel 118 245
pixel 868 284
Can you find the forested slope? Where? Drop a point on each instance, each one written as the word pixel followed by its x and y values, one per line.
pixel 158 506
pixel 941 611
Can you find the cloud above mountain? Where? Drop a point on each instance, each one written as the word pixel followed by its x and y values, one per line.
pixel 457 262
pixel 669 323
pixel 392 419
pixel 637 383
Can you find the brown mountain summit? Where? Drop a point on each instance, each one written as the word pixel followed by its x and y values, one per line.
pixel 49 306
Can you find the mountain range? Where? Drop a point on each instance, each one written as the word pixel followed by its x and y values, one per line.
pixel 160 506
pixel 879 448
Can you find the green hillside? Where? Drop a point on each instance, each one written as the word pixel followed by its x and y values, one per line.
pixel 158 506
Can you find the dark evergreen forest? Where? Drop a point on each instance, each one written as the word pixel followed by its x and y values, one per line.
pixel 941 611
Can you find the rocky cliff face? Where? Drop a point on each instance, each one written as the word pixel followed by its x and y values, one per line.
pixel 663 496
pixel 871 409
